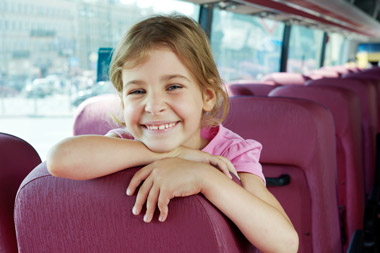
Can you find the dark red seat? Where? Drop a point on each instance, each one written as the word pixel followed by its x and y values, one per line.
pixel 286 78
pixel 250 88
pixel 345 108
pixel 61 215
pixel 298 140
pixel 367 96
pixel 17 159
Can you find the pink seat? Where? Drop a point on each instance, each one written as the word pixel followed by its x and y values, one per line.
pixel 298 139
pixel 17 159
pixel 345 108
pixel 61 215
pixel 94 116
pixel 367 97
pixel 374 80
pixel 324 73
pixel 286 78
pixel 250 88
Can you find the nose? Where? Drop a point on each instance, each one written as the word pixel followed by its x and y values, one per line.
pixel 155 103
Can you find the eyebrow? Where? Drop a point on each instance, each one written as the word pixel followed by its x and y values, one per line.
pixel 162 79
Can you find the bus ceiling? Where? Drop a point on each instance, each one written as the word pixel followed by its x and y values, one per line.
pixel 358 18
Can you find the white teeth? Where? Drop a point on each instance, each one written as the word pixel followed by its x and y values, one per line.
pixel 160 127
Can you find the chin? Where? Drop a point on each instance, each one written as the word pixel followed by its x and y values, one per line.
pixel 161 147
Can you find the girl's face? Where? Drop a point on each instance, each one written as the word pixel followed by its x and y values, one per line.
pixel 163 104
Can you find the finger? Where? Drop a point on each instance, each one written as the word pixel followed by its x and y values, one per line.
pixel 151 203
pixel 137 178
pixel 230 166
pixel 163 202
pixel 142 196
pixel 221 164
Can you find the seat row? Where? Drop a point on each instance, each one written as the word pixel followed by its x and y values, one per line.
pixel 352 98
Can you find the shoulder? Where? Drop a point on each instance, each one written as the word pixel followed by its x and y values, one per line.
pixel 119 133
pixel 227 143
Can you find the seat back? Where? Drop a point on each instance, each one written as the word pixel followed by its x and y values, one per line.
pixel 17 159
pixel 298 140
pixel 345 108
pixel 94 116
pixel 250 88
pixel 285 78
pixel 61 215
pixel 367 98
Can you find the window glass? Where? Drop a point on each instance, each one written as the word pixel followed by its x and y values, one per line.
pixel 49 66
pixel 305 47
pixel 245 47
pixel 336 50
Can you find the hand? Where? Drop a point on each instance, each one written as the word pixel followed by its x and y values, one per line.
pixel 195 155
pixel 163 180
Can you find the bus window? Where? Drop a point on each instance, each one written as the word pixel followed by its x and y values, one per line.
pixel 49 55
pixel 305 47
pixel 245 47
pixel 336 50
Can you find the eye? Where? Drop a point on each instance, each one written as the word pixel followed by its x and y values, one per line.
pixel 174 87
pixel 136 92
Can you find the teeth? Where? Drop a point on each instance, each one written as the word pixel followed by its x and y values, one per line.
pixel 161 127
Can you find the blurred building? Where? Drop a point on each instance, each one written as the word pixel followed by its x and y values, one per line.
pixel 62 37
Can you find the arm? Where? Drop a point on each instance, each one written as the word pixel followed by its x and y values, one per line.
pixel 90 156
pixel 254 210
pixel 257 214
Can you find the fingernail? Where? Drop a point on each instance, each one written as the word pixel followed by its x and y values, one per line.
pixel 161 218
pixel 146 218
pixel 134 210
pixel 128 192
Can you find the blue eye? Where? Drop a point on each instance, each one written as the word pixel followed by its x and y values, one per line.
pixel 174 87
pixel 137 92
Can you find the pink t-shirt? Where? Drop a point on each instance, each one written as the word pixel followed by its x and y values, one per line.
pixel 243 154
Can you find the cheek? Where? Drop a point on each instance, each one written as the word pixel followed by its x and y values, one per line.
pixel 131 115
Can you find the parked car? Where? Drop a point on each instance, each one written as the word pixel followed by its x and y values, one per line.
pixel 97 89
pixel 39 88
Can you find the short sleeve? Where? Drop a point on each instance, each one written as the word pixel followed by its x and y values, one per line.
pixel 245 155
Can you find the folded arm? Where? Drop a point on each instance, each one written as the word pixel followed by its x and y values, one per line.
pixel 252 208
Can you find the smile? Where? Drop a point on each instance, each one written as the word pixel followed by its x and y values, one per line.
pixel 160 127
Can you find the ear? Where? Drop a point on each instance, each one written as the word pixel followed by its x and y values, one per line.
pixel 209 99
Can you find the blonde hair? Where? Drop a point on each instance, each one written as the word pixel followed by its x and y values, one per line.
pixel 186 38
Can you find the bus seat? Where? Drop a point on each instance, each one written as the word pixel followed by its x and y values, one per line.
pixel 298 140
pixel 250 88
pixel 367 98
pixel 17 159
pixel 325 73
pixel 61 215
pixel 286 78
pixel 94 115
pixel 345 108
pixel 340 69
pixel 373 80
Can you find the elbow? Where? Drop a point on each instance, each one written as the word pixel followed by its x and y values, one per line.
pixel 58 161
pixel 292 242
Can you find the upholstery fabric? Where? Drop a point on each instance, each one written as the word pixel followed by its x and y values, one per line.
pixel 367 97
pixel 345 108
pixel 298 139
pixel 94 116
pixel 61 215
pixel 17 159
pixel 250 88
pixel 285 78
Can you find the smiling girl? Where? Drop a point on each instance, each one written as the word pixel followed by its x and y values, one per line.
pixel 173 105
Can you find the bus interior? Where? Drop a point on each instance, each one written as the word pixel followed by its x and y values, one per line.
pixel 303 79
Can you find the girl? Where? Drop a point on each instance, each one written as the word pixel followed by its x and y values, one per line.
pixel 173 103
